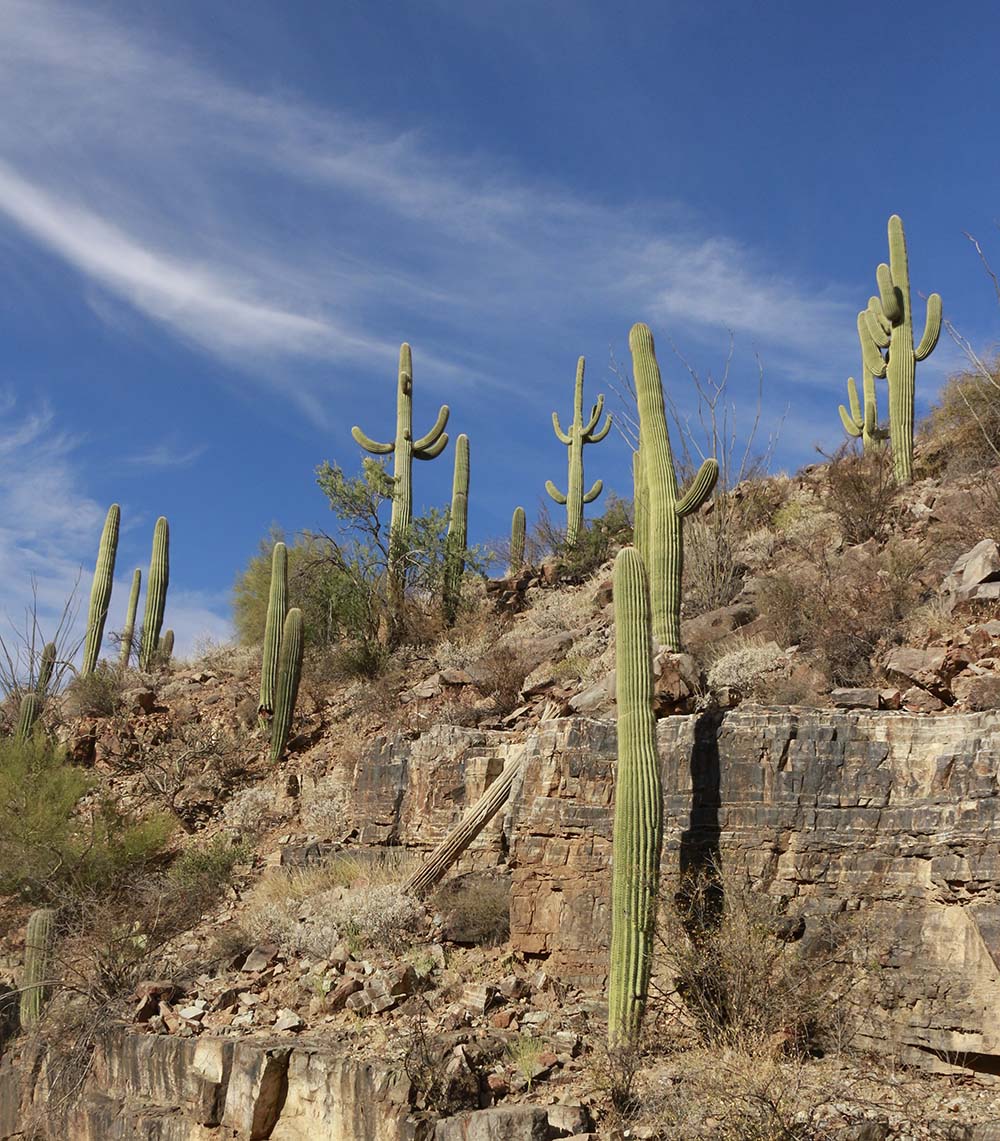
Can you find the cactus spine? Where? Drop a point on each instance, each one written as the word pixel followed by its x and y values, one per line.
pixel 579 434
pixel 277 607
pixel 100 591
pixel 128 632
pixel 46 667
pixel 863 421
pixel 664 510
pixel 516 541
pixel 156 595
pixel 638 821
pixel 889 324
pixel 37 965
pixel 405 449
pixel 287 686
pixel 458 530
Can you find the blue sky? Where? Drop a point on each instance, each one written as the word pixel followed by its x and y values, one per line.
pixel 219 220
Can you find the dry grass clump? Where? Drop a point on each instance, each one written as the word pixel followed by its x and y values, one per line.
pixel 346 900
pixel 227 659
pixel 98 694
pixel 254 810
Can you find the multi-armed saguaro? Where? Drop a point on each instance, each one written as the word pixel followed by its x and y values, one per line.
pixel 579 433
pixel 638 823
pixel 277 608
pixel 458 530
pixel 863 421
pixel 100 591
pixel 156 595
pixel 888 322
pixel 405 449
pixel 663 511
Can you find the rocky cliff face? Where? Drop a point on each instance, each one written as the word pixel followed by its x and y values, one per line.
pixel 892 815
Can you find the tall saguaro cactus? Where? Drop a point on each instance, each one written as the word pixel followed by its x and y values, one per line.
pixel 638 505
pixel 638 823
pixel 579 434
pixel 663 508
pixel 889 324
pixel 862 420
pixel 405 449
pixel 458 530
pixel 516 541
pixel 277 608
pixel 156 594
pixel 36 982
pixel 287 684
pixel 100 591
pixel 128 631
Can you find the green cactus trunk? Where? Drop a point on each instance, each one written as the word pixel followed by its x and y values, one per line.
pixel 890 325
pixel 862 420
pixel 46 668
pixel 638 505
pixel 156 595
pixel 517 526
pixel 663 514
pixel 579 434
pixel 287 687
pixel 166 648
pixel 277 608
pixel 100 591
pixel 37 980
pixel 404 449
pixel 128 632
pixel 28 714
pixel 638 820
pixel 458 531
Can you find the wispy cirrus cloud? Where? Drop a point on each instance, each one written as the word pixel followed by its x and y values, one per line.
pixel 158 181
pixel 164 455
pixel 49 530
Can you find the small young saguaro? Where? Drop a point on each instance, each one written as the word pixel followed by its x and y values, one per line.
pixel 100 591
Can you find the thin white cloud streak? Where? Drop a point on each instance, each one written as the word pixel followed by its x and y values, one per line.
pixel 49 529
pixel 138 168
pixel 164 456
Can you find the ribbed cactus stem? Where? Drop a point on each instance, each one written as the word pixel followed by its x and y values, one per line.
pixel 580 432
pixel 46 668
pixel 28 713
pixel 638 820
pixel 156 595
pixel 664 510
pixel 166 649
pixel 638 505
pixel 100 590
pixel 458 530
pixel 287 687
pixel 405 449
pixel 893 318
pixel 517 527
pixel 862 419
pixel 37 979
pixel 128 632
pixel 277 608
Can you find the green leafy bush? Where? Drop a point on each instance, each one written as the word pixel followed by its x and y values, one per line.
pixel 58 834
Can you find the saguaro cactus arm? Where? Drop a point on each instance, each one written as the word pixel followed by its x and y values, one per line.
pixel 701 488
pixel 436 438
pixel 852 421
pixel 932 328
pixel 554 492
pixel 371 445
pixel 595 491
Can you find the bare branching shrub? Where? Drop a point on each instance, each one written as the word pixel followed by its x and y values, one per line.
pixel 97 694
pixel 500 676
pixel 862 492
pixel 475 910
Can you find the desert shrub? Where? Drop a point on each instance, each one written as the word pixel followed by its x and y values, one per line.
pixel 324 810
pixel 500 676
pixel 741 666
pixel 253 810
pixel 861 492
pixel 50 844
pixel 961 433
pixel 203 870
pixel 97 694
pixel 475 910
